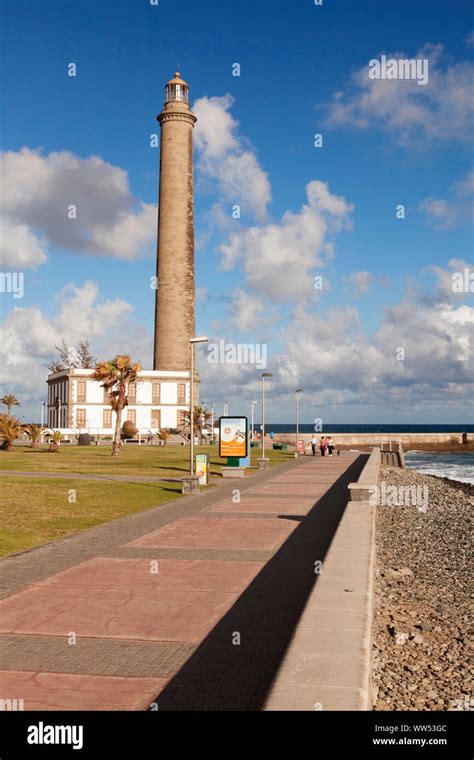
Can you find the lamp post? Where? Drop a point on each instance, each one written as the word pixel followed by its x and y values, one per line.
pixel 252 430
pixel 298 391
pixel 138 424
pixel 201 339
pixel 264 375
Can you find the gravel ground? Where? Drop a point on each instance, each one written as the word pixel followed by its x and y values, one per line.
pixel 421 658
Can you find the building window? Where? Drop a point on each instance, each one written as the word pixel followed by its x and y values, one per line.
pixel 156 419
pixel 181 418
pixel 156 393
pixel 107 418
pixel 80 418
pixel 176 92
pixel 81 392
pixel 181 393
pixel 106 396
pixel 132 393
pixel 132 416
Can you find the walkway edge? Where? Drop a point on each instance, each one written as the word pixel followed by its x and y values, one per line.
pixel 327 665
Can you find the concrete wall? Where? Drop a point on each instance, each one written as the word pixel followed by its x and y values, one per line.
pixel 409 440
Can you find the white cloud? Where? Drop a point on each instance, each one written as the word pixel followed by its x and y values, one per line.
pixel 465 186
pixel 334 360
pixel 225 158
pixel 279 257
pixel 337 362
pixel 442 213
pixel 444 292
pixel 28 337
pixel 19 247
pixel 246 310
pixel 37 191
pixel 410 113
pixel 360 282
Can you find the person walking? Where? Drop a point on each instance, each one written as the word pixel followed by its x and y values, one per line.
pixel 330 443
pixel 314 443
pixel 322 445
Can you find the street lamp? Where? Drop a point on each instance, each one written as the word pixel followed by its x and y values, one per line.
pixel 298 391
pixel 192 341
pixel 252 435
pixel 264 375
pixel 138 424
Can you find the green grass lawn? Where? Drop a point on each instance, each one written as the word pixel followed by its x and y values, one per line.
pixel 162 461
pixel 35 510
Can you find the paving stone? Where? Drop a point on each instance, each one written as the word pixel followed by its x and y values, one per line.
pixel 90 655
pixel 61 691
pixel 217 532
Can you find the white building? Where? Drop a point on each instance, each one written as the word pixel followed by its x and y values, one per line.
pixel 77 403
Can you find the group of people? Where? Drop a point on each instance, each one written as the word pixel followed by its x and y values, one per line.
pixel 324 444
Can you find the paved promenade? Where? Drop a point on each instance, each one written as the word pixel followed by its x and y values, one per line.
pixel 188 606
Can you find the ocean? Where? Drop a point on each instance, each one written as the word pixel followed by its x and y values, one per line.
pixel 453 465
pixel 381 428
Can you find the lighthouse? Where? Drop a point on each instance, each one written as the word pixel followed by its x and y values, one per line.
pixel 174 306
pixel 162 396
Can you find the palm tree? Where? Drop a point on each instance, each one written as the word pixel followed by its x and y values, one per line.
pixel 10 429
pixel 163 435
pixel 9 400
pixel 115 376
pixel 201 417
pixel 55 440
pixel 34 431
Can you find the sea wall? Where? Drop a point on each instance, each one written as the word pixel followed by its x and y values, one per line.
pixel 410 441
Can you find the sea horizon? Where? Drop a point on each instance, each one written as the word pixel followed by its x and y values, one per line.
pixel 305 427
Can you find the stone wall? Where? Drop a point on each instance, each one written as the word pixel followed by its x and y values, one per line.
pixel 427 441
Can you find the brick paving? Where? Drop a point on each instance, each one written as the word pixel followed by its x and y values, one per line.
pixel 191 604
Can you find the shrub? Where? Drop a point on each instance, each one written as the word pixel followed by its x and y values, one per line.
pixel 129 430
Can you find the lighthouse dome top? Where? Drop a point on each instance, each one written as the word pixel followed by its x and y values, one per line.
pixel 177 89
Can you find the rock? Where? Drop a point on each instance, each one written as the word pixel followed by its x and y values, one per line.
pixel 422 598
pixel 424 626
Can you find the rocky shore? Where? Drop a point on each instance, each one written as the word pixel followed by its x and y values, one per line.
pixel 421 618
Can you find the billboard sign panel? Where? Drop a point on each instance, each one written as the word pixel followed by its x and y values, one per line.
pixel 233 437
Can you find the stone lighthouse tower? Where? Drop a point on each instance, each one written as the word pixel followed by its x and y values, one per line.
pixel 174 308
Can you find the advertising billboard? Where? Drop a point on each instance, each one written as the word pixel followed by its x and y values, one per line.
pixel 233 437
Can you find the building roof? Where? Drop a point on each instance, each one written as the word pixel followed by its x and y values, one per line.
pixel 177 80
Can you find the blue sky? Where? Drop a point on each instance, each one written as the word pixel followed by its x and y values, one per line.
pixel 299 62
